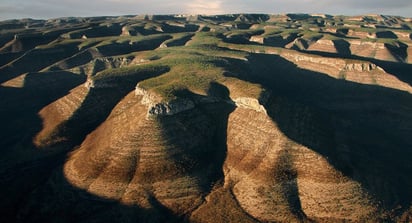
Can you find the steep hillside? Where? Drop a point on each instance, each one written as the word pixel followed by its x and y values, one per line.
pixel 231 118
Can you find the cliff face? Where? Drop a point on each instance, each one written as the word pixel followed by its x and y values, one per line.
pixel 232 118
pixel 350 70
pixel 157 108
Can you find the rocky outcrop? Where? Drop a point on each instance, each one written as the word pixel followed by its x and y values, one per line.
pixel 157 108
pixel 102 63
pixel 338 64
pixel 312 62
pixel 171 108
pixel 351 70
pixel 361 67
pixel 250 103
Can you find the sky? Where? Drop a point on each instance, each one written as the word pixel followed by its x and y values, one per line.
pixel 44 9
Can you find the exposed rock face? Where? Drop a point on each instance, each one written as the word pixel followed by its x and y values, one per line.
pixel 156 108
pixel 257 39
pixel 356 71
pixel 361 67
pixel 100 64
pixel 172 107
pixel 250 103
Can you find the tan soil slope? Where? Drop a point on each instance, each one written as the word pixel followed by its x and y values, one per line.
pixel 267 176
pixel 277 180
pixel 129 155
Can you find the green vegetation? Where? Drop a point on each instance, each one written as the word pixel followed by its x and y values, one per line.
pixel 188 71
pixel 128 71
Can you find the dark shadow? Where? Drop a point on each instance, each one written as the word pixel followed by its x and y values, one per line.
pixel 286 174
pixel 179 41
pixel 6 58
pixel 398 50
pixel 96 31
pixel 36 59
pixel 200 136
pixel 56 200
pixel 279 41
pixel 142 30
pixel 342 46
pixel 220 91
pixel 299 16
pixel 27 41
pixel 342 31
pixel 386 34
pixel 362 130
pixel 78 59
pixel 117 48
pixel 241 37
pixel 23 167
pixel 167 28
pixel 19 106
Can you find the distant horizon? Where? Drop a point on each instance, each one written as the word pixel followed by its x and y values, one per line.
pixel 50 9
pixel 193 14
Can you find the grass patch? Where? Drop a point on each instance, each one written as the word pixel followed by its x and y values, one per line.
pixel 131 70
pixel 195 68
pixel 194 73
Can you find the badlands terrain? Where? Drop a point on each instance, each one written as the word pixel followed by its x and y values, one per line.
pixel 183 118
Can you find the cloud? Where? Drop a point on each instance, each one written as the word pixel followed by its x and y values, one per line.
pixel 62 8
pixel 384 4
pixel 202 7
